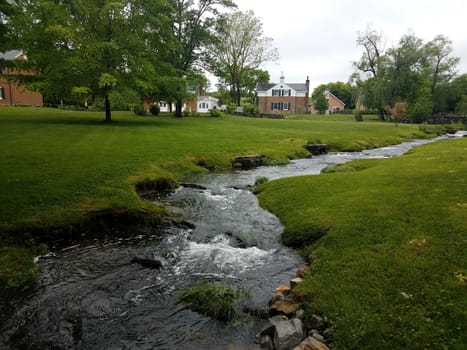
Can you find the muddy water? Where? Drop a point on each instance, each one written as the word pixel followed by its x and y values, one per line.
pixel 90 295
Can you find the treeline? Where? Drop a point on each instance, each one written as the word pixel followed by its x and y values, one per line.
pixel 413 80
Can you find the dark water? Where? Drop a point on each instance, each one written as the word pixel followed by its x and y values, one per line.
pixel 91 296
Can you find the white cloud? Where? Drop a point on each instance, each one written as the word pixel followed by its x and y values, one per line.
pixel 317 38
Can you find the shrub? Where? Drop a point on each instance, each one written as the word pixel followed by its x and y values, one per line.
pixel 213 299
pixel 215 113
pixel 155 109
pixel 139 109
pixel 250 109
pixel 261 180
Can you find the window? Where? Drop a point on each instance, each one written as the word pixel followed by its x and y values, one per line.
pixel 2 93
pixel 280 106
pixel 281 92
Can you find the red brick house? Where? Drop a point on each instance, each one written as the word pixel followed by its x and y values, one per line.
pixel 282 97
pixel 334 104
pixel 12 93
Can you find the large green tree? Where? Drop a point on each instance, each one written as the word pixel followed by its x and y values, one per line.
pixel 192 25
pixel 99 46
pixel 238 49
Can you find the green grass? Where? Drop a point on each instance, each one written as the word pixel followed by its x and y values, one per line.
pixel 390 270
pixel 57 165
pixel 213 299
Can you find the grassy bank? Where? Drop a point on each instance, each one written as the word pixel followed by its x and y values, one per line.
pixel 390 270
pixel 57 165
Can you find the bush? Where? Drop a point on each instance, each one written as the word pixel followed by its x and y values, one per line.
pixel 260 180
pixel 250 109
pixel 215 113
pixel 213 299
pixel 154 109
pixel 139 109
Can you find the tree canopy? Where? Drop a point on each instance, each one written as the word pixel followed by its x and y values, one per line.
pixel 237 50
pixel 412 72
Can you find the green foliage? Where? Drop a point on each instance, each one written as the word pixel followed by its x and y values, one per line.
pixel 17 270
pixel 138 109
pixel 261 180
pixel 390 272
pixel 250 109
pixel 213 299
pixel 154 109
pixel 215 113
pixel 321 104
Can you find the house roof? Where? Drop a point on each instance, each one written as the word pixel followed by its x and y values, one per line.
pixel 10 55
pixel 337 98
pixel 268 86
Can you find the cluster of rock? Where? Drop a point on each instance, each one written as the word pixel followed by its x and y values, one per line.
pixel 286 329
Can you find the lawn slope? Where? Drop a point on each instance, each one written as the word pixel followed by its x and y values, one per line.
pixel 390 270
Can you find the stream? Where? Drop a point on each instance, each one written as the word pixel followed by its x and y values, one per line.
pixel 90 295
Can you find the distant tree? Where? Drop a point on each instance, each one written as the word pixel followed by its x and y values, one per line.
pixel 321 103
pixel 192 23
pixel 237 51
pixel 372 63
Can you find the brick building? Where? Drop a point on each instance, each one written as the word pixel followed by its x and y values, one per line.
pixel 335 104
pixel 282 97
pixel 11 92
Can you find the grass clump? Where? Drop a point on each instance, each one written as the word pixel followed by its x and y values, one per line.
pixel 390 273
pixel 17 270
pixel 214 299
pixel 261 180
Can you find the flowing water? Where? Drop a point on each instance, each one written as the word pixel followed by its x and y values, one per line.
pixel 90 295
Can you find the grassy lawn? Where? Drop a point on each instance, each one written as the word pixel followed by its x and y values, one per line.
pixel 390 270
pixel 58 165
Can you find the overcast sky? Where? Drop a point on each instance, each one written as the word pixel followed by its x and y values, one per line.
pixel 317 38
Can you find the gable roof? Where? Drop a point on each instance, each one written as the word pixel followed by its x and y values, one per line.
pixel 337 98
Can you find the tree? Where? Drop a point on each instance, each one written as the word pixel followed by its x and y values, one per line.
pixel 344 91
pixel 372 63
pixel 321 103
pixel 6 10
pixel 97 45
pixel 237 51
pixel 191 24
pixel 441 65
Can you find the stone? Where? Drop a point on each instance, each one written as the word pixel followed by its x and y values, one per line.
pixel 317 149
pixel 295 281
pixel 316 322
pixel 288 334
pixel 247 162
pixel 285 307
pixel 151 263
pixel 302 271
pixel 315 334
pixel 311 343
pixel 283 289
pixel 275 298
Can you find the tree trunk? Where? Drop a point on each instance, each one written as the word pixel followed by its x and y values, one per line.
pixel 108 115
pixel 178 109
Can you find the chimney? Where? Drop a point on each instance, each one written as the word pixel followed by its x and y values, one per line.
pixel 307 82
